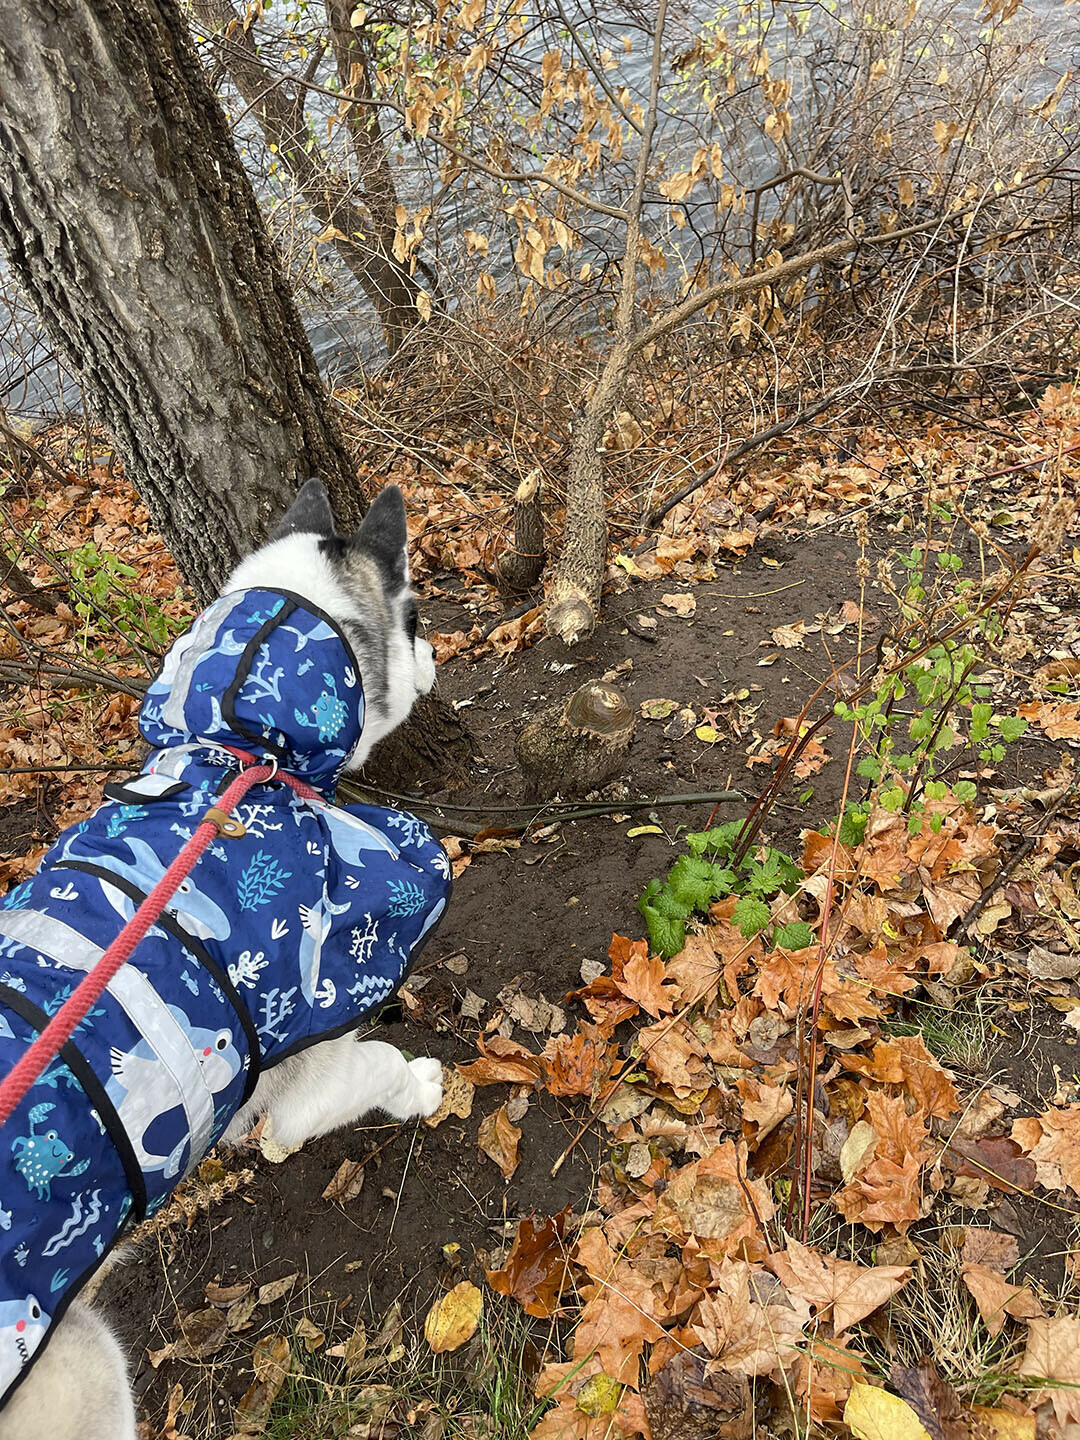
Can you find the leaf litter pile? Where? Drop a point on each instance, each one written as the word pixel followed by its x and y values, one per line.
pixel 759 1252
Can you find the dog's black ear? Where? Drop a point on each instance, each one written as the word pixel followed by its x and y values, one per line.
pixel 384 533
pixel 309 514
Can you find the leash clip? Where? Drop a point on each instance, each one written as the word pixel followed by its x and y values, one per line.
pixel 226 825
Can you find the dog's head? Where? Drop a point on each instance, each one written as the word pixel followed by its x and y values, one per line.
pixel 362 583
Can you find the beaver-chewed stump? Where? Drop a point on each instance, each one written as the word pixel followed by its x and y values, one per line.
pixel 576 745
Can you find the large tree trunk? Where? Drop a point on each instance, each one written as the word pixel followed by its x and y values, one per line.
pixel 128 219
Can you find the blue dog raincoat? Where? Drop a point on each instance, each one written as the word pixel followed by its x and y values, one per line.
pixel 279 938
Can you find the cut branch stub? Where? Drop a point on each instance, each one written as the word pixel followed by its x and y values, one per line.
pixel 576 745
pixel 520 566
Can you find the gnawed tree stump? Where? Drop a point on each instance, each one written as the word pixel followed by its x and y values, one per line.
pixel 576 745
pixel 520 566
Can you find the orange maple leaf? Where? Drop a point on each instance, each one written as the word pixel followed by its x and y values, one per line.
pixel 642 981
pixel 886 1191
pixel 906 1062
pixel 578 1064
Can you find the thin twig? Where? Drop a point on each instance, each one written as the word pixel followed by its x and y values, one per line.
pixel 554 810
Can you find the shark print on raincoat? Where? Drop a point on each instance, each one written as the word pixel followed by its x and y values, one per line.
pixel 286 935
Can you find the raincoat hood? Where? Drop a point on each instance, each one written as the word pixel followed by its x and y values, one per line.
pixel 226 679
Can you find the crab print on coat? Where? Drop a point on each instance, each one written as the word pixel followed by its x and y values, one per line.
pixel 43 1158
pixel 327 715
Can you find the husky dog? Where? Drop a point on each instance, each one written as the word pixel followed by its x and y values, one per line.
pixel 329 662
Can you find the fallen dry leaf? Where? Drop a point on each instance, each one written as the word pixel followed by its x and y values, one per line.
pixel 457 1098
pixel 226 1295
pixel 873 1414
pixel 578 1064
pixel 986 1423
pixel 202 1334
pixel 992 1248
pixel 453 1319
pixel 346 1182
pixel 642 981
pixel 1053 1353
pixel 837 1289
pixel 502 1062
pixel 277 1288
pixel 309 1334
pixel 498 1138
pixel 271 1362
pixel 997 1297
pixel 682 604
pixel 1052 1141
pixel 1057 722
pixel 790 637
pixel 682 1402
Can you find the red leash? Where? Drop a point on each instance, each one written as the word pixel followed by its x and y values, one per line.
pixel 78 1005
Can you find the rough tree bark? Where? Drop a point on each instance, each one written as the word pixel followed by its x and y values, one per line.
pixel 128 219
pixel 359 217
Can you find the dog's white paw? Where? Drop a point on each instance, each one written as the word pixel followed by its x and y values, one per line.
pixel 427 1076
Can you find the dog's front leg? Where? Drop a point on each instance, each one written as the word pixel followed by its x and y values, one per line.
pixel 336 1083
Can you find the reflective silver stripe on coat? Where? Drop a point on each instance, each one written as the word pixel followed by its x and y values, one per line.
pixel 187 653
pixel 142 1005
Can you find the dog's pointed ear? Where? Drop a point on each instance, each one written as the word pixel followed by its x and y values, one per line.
pixel 309 514
pixel 384 533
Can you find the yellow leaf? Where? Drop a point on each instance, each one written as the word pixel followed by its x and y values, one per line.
pixel 643 830
pixel 906 191
pixel 453 1319
pixel 873 1414
pixel 708 734
pixel 358 16
pixel 1001 1424
pixel 423 304
pixel 600 1395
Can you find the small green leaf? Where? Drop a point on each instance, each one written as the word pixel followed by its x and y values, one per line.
pixel 717 841
pixel 1011 727
pixel 965 790
pixel 751 915
pixel 795 935
pixel 690 881
pixel 667 935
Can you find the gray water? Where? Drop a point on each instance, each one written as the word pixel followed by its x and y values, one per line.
pixel 340 324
